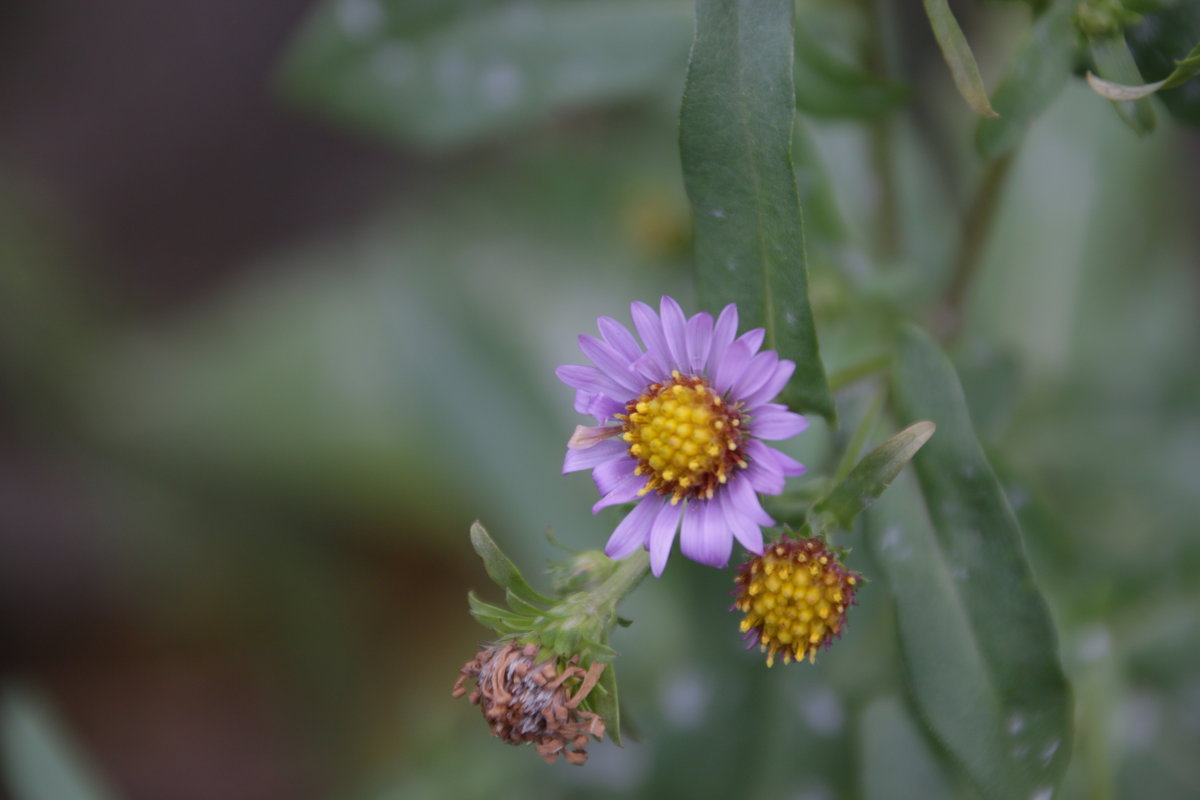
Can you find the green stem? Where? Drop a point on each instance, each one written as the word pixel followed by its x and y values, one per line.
pixel 856 372
pixel 976 228
pixel 624 578
pixel 881 58
pixel 859 440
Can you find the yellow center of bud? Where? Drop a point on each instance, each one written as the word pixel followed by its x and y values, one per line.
pixel 795 597
pixel 684 437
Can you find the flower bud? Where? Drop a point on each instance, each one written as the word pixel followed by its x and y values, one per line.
pixel 795 596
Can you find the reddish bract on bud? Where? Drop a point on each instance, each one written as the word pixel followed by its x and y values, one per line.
pixel 795 596
pixel 526 701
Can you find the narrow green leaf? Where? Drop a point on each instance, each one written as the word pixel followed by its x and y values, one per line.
pixel 605 702
pixel 521 606
pixel 1038 73
pixel 1184 71
pixel 439 74
pixel 978 643
pixel 735 141
pixel 1114 61
pixel 868 480
pixel 958 56
pixel 501 569
pixel 499 619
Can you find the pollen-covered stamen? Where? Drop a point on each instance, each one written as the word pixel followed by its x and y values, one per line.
pixel 795 597
pixel 685 438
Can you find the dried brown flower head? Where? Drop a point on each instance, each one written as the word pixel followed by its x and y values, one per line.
pixel 525 700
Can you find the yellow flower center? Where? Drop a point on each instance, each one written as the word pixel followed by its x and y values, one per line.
pixel 684 437
pixel 795 597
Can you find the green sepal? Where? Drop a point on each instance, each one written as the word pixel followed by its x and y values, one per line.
pixel 603 700
pixel 869 478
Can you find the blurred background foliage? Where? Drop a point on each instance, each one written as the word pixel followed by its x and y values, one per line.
pixel 282 288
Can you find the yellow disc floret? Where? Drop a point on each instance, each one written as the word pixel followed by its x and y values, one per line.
pixel 795 597
pixel 685 438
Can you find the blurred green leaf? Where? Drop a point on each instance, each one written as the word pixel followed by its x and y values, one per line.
pixel 896 762
pixel 1184 70
pixel 38 758
pixel 868 480
pixel 823 225
pixel 828 86
pixel 502 570
pixel 1039 71
pixel 1115 65
pixel 735 141
pixel 442 77
pixel 1162 37
pixel 979 646
pixel 958 56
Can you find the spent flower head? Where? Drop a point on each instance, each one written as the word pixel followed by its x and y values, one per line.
pixel 794 597
pixel 546 680
pixel 527 697
pixel 682 420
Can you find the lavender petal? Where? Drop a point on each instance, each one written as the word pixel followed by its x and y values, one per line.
pixel 773 386
pixel 650 329
pixel 625 491
pixel 590 379
pixel 594 456
pixel 699 340
pixel 610 362
pixel 732 365
pixel 602 407
pixel 743 500
pixel 744 529
pixel 753 338
pixel 763 473
pixel 619 338
pixel 633 530
pixel 703 536
pixel 759 371
pixel 722 336
pixel 773 421
pixel 662 534
pixel 788 465
pixel 674 326
pixel 609 473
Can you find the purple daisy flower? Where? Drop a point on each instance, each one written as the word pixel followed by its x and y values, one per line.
pixel 681 431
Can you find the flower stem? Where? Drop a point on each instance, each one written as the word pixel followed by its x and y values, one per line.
pixel 859 440
pixel 977 226
pixel 856 372
pixel 624 578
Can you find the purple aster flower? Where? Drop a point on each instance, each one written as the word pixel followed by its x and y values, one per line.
pixel 682 424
